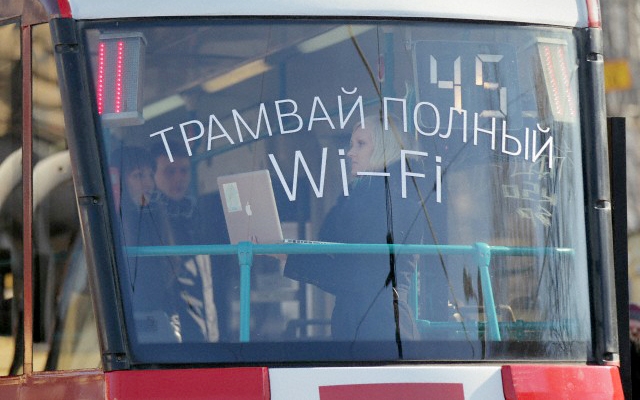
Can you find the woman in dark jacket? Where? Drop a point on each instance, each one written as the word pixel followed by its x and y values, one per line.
pixel 371 290
pixel 144 223
pixel 133 170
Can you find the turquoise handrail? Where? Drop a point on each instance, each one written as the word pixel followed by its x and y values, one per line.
pixel 246 250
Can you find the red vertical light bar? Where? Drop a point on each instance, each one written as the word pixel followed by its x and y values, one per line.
pixel 554 81
pixel 119 89
pixel 564 72
pixel 100 88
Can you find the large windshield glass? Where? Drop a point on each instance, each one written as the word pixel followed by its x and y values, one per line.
pixel 295 190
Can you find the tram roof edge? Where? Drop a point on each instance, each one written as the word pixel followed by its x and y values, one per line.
pixel 569 13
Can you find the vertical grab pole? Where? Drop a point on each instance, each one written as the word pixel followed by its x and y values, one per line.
pixel 416 293
pixel 245 259
pixel 483 259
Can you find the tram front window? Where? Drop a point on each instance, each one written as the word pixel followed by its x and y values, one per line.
pixel 292 190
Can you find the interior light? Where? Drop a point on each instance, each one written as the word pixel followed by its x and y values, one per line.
pixel 334 36
pixel 162 106
pixel 258 67
pixel 236 76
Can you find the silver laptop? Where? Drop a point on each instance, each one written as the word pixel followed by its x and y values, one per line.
pixel 250 207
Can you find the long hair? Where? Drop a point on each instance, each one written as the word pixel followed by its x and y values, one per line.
pixel 387 143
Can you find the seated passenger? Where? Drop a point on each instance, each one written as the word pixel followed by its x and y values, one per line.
pixel 371 291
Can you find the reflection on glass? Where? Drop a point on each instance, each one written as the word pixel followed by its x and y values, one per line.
pixel 350 191
pixel 65 333
pixel 11 273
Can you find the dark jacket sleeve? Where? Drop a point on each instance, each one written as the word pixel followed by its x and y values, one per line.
pixel 368 215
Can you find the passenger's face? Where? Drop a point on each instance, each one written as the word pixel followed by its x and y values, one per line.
pixel 360 150
pixel 173 178
pixel 140 185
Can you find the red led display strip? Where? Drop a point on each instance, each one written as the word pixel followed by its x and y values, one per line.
pixel 564 71
pixel 110 77
pixel 554 81
pixel 119 88
pixel 100 84
pixel 559 82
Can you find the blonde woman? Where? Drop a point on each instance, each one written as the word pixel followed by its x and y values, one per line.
pixel 371 291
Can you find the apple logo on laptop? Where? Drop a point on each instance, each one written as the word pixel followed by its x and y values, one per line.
pixel 247 209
